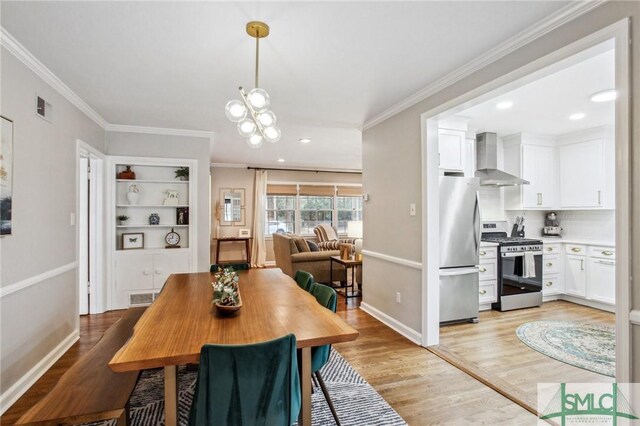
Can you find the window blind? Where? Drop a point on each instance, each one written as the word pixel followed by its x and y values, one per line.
pixel 316 190
pixel 349 191
pixel 281 189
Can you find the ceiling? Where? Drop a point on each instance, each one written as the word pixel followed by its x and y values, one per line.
pixel 328 66
pixel 544 105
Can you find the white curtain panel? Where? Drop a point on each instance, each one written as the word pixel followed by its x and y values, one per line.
pixel 258 247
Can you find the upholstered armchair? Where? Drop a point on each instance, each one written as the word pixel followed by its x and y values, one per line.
pixel 328 237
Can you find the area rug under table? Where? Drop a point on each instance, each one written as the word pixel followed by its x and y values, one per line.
pixel 587 346
pixel 356 402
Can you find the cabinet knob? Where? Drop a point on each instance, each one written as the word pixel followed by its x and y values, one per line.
pixel 146 272
pixel 549 264
pixel 483 269
pixel 576 249
pixel 549 284
pixel 483 291
pixel 158 271
pixel 482 253
pixel 607 253
pixel 549 248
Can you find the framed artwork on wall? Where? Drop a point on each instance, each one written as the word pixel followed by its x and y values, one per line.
pixel 6 175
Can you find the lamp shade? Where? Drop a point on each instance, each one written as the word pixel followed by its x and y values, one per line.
pixel 354 229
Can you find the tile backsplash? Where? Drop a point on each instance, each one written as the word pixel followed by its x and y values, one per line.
pixel 587 224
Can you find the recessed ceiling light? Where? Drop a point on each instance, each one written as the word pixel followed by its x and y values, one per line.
pixel 576 116
pixel 280 160
pixel 604 96
pixel 304 140
pixel 504 105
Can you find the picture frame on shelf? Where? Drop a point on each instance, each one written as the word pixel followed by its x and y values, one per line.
pixel 171 198
pixel 133 241
pixel 182 215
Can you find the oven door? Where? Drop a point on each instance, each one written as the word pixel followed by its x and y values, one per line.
pixel 512 271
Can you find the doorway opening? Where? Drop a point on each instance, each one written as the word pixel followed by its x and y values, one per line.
pixel 89 229
pixel 609 208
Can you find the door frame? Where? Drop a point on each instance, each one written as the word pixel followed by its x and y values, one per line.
pixel 96 277
pixel 620 33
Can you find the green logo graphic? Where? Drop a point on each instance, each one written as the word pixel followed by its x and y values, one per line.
pixel 606 404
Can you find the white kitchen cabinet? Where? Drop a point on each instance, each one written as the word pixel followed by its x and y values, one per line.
pixel 452 149
pixel 488 276
pixel 469 164
pixel 552 282
pixel 134 273
pixel 533 158
pixel 582 174
pixel 601 280
pixel 575 275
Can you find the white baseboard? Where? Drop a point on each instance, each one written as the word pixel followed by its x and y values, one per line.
pixel 392 323
pixel 11 395
pixel 587 302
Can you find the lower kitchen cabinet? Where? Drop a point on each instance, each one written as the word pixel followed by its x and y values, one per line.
pixel 139 276
pixel 552 284
pixel 575 277
pixel 601 280
pixel 488 277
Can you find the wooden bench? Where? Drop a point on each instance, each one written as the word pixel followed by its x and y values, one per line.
pixel 89 391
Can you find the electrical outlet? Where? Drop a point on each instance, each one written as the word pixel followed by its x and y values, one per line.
pixel 398 297
pixel 412 209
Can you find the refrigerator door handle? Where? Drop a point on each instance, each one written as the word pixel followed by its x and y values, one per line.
pixel 459 271
pixel 477 225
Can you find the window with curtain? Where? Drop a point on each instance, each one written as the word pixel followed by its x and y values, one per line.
pixel 349 209
pixel 280 214
pixel 314 210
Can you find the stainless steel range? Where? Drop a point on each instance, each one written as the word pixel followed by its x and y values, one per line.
pixel 519 268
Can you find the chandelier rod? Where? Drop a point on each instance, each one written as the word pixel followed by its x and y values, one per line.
pixel 257 54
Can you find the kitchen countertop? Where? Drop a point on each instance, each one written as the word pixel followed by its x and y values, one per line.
pixel 569 240
pixel 488 244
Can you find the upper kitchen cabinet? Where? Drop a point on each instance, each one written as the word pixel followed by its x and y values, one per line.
pixel 533 158
pixel 456 150
pixel 587 169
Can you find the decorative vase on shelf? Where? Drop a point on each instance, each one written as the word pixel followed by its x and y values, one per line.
pixel 133 196
pixel 154 219
pixel 127 174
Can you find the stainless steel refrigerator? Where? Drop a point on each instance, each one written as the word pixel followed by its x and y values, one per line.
pixel 459 246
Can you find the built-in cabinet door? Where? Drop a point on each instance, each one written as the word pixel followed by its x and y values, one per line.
pixel 167 264
pixel 469 158
pixel 451 147
pixel 539 168
pixel 134 272
pixel 582 174
pixel 602 280
pixel 575 275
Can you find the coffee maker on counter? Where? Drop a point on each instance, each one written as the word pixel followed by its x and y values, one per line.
pixel 552 226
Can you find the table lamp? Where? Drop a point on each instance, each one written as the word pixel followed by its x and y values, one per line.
pixel 354 230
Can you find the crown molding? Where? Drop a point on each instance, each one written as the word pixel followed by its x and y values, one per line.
pixel 124 128
pixel 548 24
pixel 19 51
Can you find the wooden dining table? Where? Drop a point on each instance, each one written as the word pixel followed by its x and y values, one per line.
pixel 182 319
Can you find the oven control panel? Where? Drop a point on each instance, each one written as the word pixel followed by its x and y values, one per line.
pixel 514 249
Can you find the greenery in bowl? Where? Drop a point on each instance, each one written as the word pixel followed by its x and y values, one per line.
pixel 123 218
pixel 225 288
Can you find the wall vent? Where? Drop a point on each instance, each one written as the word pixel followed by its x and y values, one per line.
pixel 43 108
pixel 140 299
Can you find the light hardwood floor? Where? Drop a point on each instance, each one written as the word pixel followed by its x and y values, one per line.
pixel 492 350
pixel 420 386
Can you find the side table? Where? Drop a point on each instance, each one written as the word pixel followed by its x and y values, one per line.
pixel 247 242
pixel 347 263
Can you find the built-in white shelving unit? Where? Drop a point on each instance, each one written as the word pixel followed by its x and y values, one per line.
pixel 140 258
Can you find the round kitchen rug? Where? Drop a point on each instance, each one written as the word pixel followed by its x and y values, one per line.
pixel 587 346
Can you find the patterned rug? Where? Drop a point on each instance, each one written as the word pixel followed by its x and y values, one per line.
pixel 356 402
pixel 591 347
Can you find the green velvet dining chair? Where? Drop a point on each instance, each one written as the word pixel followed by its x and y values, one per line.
pixel 255 384
pixel 236 266
pixel 304 280
pixel 327 297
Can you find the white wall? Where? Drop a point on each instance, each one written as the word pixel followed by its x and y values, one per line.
pixel 392 168
pixel 38 318
pixel 163 146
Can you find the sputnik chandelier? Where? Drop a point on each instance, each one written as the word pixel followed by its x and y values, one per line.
pixel 255 121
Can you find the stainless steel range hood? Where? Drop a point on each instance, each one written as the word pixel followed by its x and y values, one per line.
pixel 487 163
